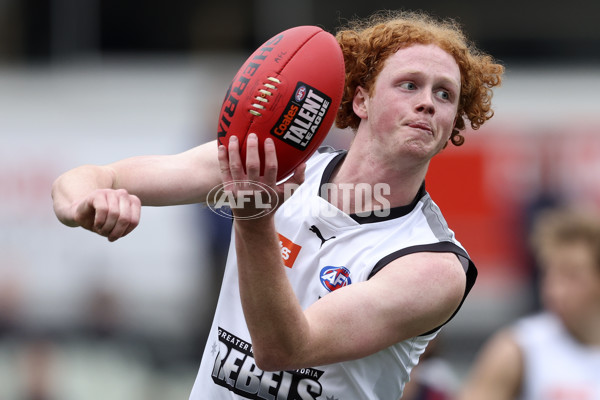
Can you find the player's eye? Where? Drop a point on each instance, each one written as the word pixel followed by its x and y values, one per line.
pixel 443 94
pixel 408 85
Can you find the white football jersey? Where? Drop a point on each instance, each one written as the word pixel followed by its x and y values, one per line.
pixel 324 249
pixel 556 366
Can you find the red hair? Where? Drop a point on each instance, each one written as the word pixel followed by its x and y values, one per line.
pixel 366 45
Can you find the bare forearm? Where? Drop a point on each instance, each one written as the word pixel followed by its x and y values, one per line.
pixel 275 319
pixel 87 196
pixel 76 184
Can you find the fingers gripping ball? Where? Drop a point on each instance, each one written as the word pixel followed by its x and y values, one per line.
pixel 289 89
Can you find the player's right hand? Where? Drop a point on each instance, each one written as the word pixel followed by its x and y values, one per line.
pixel 108 212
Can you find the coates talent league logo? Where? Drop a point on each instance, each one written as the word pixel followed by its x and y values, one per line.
pixel 302 116
pixel 334 278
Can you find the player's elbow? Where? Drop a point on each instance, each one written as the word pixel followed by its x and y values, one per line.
pixel 268 364
pixel 272 359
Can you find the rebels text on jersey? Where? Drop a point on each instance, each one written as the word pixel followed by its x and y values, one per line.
pixel 235 369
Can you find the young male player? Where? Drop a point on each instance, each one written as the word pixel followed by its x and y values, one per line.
pixel 348 311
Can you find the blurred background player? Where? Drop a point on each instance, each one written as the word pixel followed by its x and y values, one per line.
pixel 555 354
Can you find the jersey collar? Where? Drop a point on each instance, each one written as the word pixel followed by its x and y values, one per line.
pixel 394 212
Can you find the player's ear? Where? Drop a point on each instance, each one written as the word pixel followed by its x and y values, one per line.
pixel 360 102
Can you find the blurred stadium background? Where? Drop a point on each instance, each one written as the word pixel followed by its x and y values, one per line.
pixel 93 81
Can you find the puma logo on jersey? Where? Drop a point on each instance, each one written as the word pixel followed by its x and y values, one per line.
pixel 317 232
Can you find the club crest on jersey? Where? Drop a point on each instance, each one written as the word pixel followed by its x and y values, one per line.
pixel 333 278
pixel 302 116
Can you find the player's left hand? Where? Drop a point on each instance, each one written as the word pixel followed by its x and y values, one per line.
pixel 254 194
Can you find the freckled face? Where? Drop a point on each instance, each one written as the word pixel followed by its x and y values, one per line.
pixel 414 102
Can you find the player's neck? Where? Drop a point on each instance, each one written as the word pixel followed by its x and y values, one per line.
pixel 360 168
pixel 588 332
pixel 594 331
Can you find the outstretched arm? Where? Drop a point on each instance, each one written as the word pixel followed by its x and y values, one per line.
pixel 107 199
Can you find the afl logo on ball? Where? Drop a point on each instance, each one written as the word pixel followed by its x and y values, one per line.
pixel 300 93
pixel 334 278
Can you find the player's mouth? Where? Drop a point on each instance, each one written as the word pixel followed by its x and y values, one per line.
pixel 421 126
